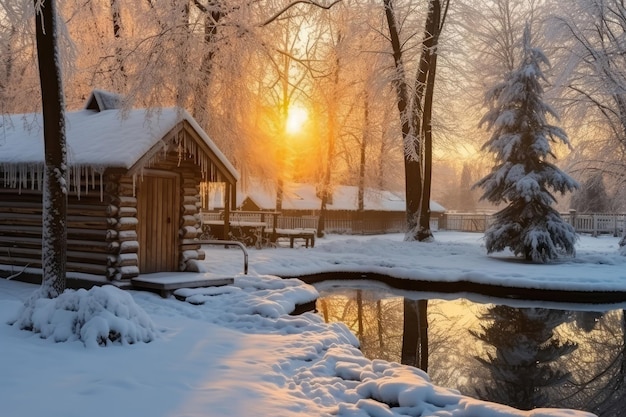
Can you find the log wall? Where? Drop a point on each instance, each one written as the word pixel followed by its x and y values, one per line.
pixel 88 223
pixel 123 261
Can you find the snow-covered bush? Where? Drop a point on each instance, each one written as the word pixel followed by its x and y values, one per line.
pixel 100 316
pixel 521 143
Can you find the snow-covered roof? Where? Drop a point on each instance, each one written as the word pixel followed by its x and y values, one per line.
pixel 100 100
pixel 96 139
pixel 298 196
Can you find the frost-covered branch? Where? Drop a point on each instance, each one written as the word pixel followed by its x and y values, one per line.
pixel 290 5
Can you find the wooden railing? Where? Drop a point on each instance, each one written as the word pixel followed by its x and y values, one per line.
pixel 594 224
pixel 465 222
pixel 597 223
pixel 266 217
pixel 291 222
pixel 376 225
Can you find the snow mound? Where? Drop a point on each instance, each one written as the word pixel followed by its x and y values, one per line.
pixel 264 295
pixel 101 316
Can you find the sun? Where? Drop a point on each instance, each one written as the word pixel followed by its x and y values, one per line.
pixel 296 118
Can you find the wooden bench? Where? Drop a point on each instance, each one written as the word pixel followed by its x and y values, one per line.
pixel 308 235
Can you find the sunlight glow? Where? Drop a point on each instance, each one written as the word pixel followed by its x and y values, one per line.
pixel 296 118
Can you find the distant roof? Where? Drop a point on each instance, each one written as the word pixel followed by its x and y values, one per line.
pixel 97 138
pixel 297 196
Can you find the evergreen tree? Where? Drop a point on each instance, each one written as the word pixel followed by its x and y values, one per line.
pixel 466 198
pixel 521 141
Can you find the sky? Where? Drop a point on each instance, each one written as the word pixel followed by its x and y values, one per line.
pixel 236 351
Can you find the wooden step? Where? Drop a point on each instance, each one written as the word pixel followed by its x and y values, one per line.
pixel 165 282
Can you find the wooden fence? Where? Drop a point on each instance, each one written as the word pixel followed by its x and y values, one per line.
pixel 465 222
pixel 367 226
pixel 594 224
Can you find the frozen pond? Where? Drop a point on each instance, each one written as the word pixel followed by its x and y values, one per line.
pixel 525 354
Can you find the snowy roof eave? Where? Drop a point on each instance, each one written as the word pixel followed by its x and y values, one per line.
pixel 100 140
pixel 212 146
pixel 200 143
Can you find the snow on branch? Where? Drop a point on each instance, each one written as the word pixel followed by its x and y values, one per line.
pixel 290 5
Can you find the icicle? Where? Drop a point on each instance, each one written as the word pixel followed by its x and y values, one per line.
pixel 85 173
pixel 19 181
pixel 101 187
pixel 41 174
pixel 75 170
pixel 73 180
pixel 181 146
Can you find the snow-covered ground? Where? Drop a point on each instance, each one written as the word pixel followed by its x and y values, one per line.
pixel 235 351
pixel 453 256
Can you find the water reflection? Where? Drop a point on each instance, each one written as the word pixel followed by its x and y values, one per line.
pixel 528 355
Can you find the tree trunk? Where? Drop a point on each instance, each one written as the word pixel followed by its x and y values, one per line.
pixel 332 128
pixel 201 92
pixel 54 216
pixel 361 188
pixel 412 153
pixel 282 147
pixel 359 314
pixel 381 330
pixel 116 17
pixel 410 334
pixel 422 315
pixel 430 51
pixel 415 113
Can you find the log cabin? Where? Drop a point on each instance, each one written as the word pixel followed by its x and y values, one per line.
pixel 134 180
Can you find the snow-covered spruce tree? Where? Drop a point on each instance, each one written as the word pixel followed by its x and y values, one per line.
pixel 521 142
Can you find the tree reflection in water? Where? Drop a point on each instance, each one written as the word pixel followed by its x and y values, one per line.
pixel 415 334
pixel 524 356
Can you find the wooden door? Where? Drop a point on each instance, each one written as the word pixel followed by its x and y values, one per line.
pixel 158 211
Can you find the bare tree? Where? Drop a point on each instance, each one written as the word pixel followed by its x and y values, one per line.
pixel 415 109
pixel 593 83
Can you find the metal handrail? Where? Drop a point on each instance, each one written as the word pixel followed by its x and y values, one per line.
pixel 229 243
